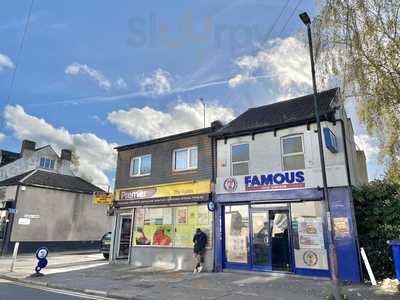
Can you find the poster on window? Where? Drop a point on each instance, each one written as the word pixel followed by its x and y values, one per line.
pixel 202 215
pixel 237 249
pixel 181 215
pixel 310 233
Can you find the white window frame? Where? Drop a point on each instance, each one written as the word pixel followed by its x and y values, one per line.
pixel 44 165
pixel 283 155
pixel 140 166
pixel 238 162
pixel 188 149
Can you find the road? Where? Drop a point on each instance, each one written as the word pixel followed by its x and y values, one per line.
pixel 18 291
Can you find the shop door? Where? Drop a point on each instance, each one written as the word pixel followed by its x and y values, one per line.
pixel 124 236
pixel 270 247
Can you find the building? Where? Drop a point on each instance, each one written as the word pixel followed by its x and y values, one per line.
pixel 162 189
pixel 30 158
pixel 42 203
pixel 268 191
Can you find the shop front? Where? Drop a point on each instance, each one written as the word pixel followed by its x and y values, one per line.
pixel 281 227
pixel 155 224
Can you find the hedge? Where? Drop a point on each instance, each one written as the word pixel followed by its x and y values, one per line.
pixel 377 208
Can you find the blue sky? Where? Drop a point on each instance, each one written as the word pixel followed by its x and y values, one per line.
pixel 96 74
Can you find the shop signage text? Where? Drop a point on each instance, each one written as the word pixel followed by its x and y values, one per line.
pixel 176 190
pixel 284 180
pixel 103 198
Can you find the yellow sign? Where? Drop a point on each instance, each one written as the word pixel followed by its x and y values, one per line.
pixel 103 198
pixel 166 190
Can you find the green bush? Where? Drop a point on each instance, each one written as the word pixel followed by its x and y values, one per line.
pixel 377 208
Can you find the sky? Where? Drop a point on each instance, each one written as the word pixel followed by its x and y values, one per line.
pixel 92 75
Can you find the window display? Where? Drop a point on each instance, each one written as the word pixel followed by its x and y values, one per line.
pixel 308 235
pixel 171 226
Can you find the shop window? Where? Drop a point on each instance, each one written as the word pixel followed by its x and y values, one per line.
pixel 185 159
pixel 237 233
pixel 171 227
pixel 240 159
pixel 47 163
pixel 293 153
pixel 187 219
pixel 141 165
pixel 308 235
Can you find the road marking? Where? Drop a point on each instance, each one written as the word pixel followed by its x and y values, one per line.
pixel 58 291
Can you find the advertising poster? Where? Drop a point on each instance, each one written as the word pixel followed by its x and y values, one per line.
pixel 202 215
pixel 237 249
pixel 310 233
pixel 341 225
pixel 181 215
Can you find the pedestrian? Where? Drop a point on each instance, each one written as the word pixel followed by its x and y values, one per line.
pixel 199 249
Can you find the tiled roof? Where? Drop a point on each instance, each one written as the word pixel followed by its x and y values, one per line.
pixel 280 114
pixel 8 157
pixel 54 180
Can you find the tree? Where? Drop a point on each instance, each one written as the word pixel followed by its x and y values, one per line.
pixel 358 41
pixel 75 161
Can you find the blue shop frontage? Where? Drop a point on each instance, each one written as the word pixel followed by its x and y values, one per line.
pixel 283 228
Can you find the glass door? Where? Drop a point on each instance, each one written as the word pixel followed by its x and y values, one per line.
pixel 270 247
pixel 124 236
pixel 261 239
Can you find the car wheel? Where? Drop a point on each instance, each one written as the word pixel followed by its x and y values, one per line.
pixel 106 255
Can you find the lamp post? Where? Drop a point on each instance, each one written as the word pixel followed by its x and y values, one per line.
pixel 204 111
pixel 332 249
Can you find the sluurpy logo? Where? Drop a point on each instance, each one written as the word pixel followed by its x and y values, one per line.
pixel 230 184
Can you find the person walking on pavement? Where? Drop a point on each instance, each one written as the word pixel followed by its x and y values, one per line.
pixel 199 249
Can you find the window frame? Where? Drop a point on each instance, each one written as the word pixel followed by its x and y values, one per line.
pixel 140 157
pixel 51 162
pixel 239 162
pixel 187 149
pixel 283 155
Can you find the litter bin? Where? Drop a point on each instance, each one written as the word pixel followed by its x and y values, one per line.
pixel 396 257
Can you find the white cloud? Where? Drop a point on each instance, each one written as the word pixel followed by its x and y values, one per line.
pixel 76 69
pixel 148 123
pixel 5 62
pixel 120 84
pixel 240 79
pixel 368 145
pixel 96 154
pixel 2 136
pixel 159 83
pixel 287 59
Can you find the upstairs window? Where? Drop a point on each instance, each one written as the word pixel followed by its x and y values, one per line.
pixel 240 159
pixel 141 165
pixel 293 153
pixel 47 163
pixel 185 159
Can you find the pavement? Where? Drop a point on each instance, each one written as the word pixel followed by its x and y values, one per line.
pixel 92 275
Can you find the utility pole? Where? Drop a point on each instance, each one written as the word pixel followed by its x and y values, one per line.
pixel 332 249
pixel 204 112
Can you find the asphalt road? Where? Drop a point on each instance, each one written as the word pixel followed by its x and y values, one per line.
pixel 16 291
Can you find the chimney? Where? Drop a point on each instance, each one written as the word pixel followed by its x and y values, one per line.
pixel 27 146
pixel 215 125
pixel 66 154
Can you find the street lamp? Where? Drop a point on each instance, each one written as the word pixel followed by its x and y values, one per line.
pixel 332 249
pixel 204 111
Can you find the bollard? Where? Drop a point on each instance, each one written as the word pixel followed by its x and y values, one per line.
pixel 14 257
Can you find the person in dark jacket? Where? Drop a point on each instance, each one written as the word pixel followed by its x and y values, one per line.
pixel 199 249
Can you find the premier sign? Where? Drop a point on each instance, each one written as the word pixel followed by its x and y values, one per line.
pixel 275 181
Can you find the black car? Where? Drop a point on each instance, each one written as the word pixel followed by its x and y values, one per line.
pixel 105 245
